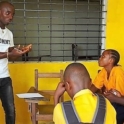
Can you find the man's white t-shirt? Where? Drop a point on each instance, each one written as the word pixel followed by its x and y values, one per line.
pixel 6 41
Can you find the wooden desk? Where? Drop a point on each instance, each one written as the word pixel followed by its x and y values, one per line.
pixel 33 106
pixel 36 100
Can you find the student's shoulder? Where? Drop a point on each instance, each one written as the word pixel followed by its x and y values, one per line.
pixel 102 71
pixel 58 116
pixel 58 107
pixel 58 112
pixel 118 69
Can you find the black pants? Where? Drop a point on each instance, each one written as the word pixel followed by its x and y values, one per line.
pixel 120 112
pixel 7 99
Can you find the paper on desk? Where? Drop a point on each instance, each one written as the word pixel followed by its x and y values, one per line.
pixel 29 95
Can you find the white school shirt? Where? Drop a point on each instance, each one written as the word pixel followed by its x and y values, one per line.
pixel 6 41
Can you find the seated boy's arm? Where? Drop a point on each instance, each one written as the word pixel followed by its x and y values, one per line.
pixel 59 92
pixel 93 88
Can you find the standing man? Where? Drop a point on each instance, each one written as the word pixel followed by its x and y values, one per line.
pixel 7 50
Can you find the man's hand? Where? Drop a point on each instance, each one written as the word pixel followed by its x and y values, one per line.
pixel 24 49
pixel 27 48
pixel 59 92
pixel 18 51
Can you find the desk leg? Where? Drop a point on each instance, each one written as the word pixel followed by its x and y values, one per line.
pixel 33 113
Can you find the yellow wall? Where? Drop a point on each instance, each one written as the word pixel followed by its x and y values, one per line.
pixel 115 26
pixel 23 73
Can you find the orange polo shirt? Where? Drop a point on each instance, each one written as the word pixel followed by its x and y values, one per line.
pixel 85 104
pixel 115 81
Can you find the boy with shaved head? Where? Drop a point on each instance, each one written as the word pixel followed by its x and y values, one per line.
pixel 7 51
pixel 77 83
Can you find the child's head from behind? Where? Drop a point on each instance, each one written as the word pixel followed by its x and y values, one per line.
pixel 76 78
pixel 109 57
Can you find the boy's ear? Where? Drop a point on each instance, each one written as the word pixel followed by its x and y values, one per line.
pixel 67 84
